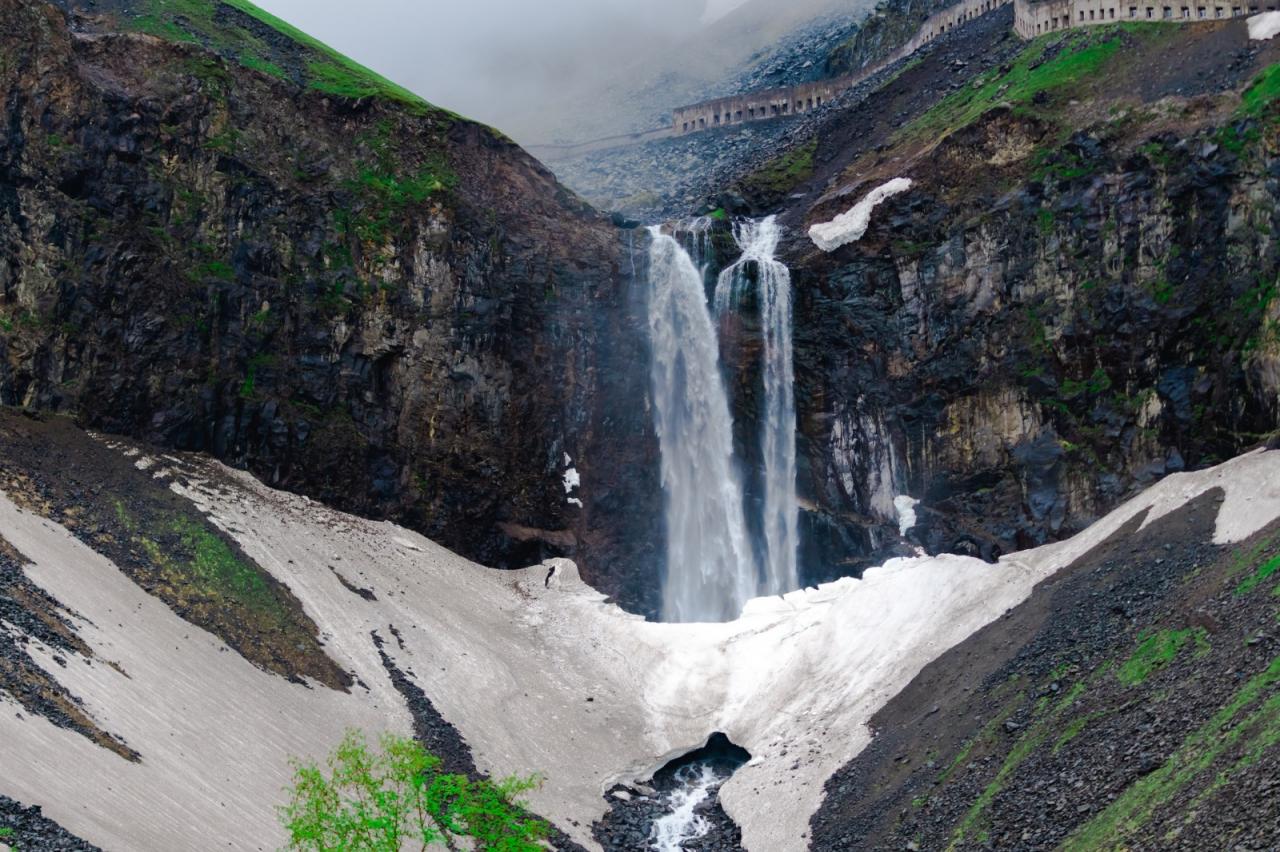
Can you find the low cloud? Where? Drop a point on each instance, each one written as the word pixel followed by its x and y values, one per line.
pixel 499 61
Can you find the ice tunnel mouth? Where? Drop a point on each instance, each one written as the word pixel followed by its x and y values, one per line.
pixel 720 753
pixel 680 805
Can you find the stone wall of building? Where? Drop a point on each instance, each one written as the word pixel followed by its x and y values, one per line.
pixel 1033 19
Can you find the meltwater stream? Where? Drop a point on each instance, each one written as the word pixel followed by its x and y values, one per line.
pixel 711 565
pixel 684 820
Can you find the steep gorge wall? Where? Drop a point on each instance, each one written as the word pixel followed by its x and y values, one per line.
pixel 1077 297
pixel 1023 363
pixel 376 304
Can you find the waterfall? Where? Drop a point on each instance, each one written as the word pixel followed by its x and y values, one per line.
pixel 711 572
pixel 781 521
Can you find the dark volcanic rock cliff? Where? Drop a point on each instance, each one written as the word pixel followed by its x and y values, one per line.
pixel 1077 296
pixel 247 246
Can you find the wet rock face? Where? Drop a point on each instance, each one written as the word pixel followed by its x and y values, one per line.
pixel 1023 362
pixel 388 309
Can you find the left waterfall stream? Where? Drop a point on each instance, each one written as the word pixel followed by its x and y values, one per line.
pixel 713 566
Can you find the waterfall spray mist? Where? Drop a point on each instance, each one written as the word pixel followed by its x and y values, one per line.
pixel 711 572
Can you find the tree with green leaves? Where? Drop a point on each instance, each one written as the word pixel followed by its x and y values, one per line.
pixel 400 798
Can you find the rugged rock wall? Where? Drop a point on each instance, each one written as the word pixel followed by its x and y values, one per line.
pixel 1050 319
pixel 360 298
pixel 887 28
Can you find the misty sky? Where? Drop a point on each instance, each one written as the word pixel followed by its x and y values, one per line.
pixel 497 60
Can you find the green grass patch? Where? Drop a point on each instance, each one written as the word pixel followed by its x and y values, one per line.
pixel 1098 383
pixel 1061 165
pixel 161 26
pixel 1135 806
pixel 1157 650
pixel 1162 291
pixel 335 73
pixel 249 386
pixel 1036 736
pixel 214 565
pixel 388 188
pixel 263 66
pixel 326 70
pixel 1079 57
pixel 1044 220
pixel 785 172
pixel 1074 728
pixel 1262 91
pixel 220 270
pixel 1265 571
pixel 192 558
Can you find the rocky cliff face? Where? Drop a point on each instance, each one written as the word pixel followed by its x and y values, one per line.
pixel 1077 297
pixel 888 27
pixel 226 239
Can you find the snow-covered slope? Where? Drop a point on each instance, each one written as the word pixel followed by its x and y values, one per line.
pixel 536 671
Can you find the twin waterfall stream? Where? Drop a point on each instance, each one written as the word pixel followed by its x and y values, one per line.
pixel 713 566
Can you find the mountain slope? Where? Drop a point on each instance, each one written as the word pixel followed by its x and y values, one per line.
pixel 226 238
pixel 529 671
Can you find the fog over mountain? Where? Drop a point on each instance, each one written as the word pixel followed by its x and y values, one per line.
pixel 555 69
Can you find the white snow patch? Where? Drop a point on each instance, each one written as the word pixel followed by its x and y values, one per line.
pixel 571 480
pixel 849 227
pixel 906 509
pixel 506 657
pixel 1265 26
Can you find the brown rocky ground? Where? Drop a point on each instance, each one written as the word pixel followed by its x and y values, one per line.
pixel 1132 702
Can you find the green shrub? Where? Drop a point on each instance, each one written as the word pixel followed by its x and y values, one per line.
pixel 402 799
pixel 1261 91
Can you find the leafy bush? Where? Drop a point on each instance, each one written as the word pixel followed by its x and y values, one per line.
pixel 402 799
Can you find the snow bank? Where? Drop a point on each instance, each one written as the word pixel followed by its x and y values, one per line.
pixel 849 227
pixel 906 509
pixel 572 480
pixel 534 668
pixel 1265 26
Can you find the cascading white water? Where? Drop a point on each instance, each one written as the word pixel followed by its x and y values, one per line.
pixel 682 821
pixel 697 234
pixel 711 571
pixel 781 522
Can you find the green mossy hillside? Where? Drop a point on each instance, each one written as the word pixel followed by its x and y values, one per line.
pixel 239 30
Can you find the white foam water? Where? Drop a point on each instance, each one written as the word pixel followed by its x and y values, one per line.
pixel 710 571
pixel 683 822
pixel 781 521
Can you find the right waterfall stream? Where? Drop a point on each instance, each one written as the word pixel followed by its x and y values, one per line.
pixel 781 521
